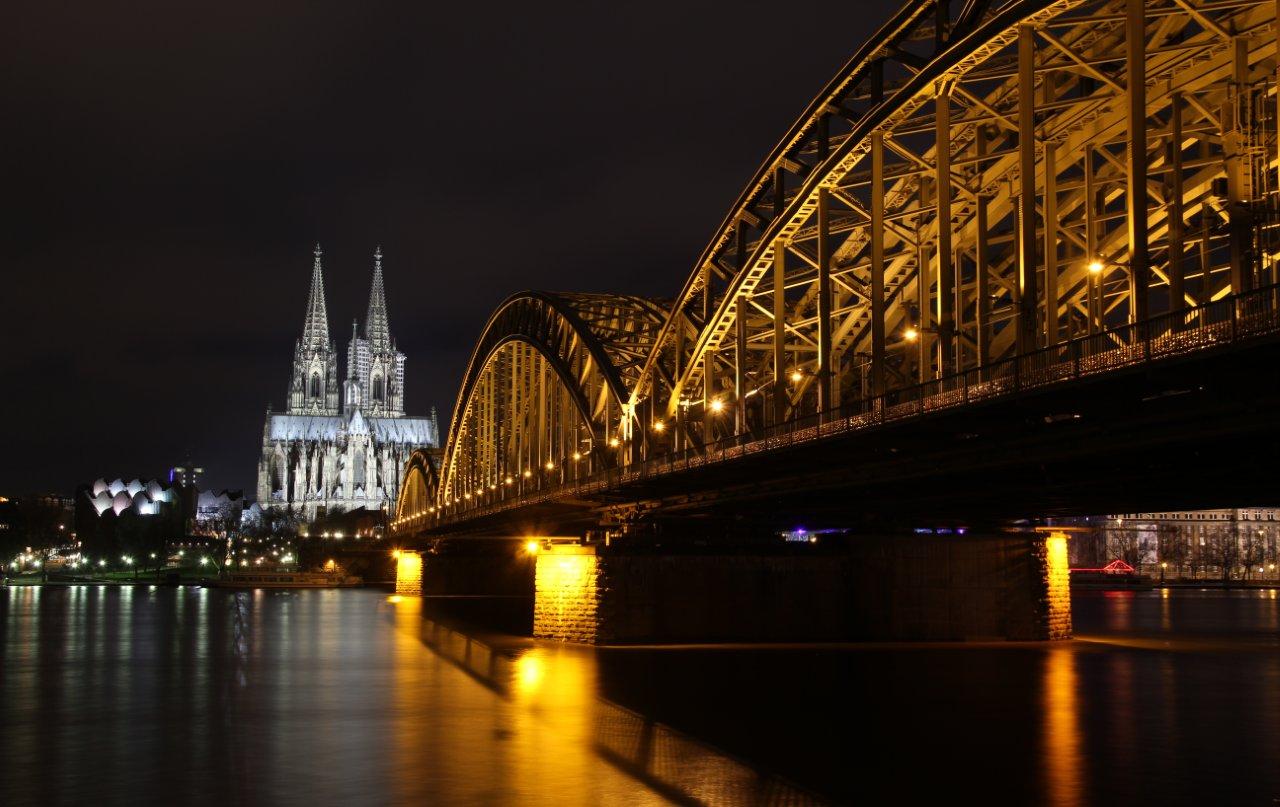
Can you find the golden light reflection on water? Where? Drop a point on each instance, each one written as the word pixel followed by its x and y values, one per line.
pixel 530 728
pixel 518 732
pixel 1064 762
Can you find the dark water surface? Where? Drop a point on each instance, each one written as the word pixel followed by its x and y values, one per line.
pixel 157 695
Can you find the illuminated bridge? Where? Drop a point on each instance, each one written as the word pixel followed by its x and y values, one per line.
pixel 1017 258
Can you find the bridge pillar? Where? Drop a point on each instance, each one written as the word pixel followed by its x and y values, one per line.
pixel 568 596
pixel 888 588
pixel 408 573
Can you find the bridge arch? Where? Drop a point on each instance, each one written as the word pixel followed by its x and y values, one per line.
pixel 984 183
pixel 545 391
pixel 418 489
pixel 889 239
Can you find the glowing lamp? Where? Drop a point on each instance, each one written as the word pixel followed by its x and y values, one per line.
pixel 717 405
pixel 531 547
pixel 911 334
pixel 1096 267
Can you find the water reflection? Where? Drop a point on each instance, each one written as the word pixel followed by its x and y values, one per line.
pixel 119 695
pixel 1063 761
pixel 560 734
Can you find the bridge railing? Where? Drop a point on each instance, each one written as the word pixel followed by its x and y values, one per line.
pixel 1218 323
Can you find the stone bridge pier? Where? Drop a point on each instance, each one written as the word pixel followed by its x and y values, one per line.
pixel 996 586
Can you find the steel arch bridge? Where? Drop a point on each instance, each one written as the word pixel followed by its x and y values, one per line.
pixel 984 192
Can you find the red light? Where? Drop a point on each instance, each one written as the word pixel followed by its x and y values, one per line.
pixel 1116 566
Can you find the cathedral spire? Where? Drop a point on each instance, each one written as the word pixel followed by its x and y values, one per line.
pixel 315 330
pixel 377 328
pixel 314 386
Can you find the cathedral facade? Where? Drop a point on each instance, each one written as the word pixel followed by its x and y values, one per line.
pixel 341 447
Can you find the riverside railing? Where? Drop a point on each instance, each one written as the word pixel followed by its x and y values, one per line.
pixel 1231 320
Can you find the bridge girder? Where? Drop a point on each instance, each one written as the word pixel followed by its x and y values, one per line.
pixel 548 376
pixel 808 225
pixel 980 181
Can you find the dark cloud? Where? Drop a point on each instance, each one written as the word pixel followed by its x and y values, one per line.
pixel 168 166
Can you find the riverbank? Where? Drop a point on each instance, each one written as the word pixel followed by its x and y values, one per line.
pixel 143 579
pixel 1142 584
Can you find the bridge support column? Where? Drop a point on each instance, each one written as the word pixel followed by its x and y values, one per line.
pixel 567 595
pixel 408 573
pixel 886 588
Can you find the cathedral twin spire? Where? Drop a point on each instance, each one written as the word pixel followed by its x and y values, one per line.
pixel 376 368
pixel 377 328
pixel 315 330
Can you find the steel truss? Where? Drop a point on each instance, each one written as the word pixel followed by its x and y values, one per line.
pixel 982 181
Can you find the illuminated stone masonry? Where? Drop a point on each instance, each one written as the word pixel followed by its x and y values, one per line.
pixel 317 459
pixel 895 588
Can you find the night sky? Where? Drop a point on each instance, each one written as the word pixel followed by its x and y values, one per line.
pixel 168 167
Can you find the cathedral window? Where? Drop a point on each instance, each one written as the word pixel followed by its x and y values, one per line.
pixel 377 388
pixel 315 385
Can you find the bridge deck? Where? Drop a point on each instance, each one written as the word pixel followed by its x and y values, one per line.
pixel 1103 422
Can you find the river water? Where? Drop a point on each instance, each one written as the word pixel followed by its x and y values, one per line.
pixel 193 696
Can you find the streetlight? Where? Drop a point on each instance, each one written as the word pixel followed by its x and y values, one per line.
pixel 717 405
pixel 1163 566
pixel 1096 266
pixel 911 334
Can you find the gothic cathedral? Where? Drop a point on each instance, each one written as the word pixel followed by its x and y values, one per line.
pixel 318 459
